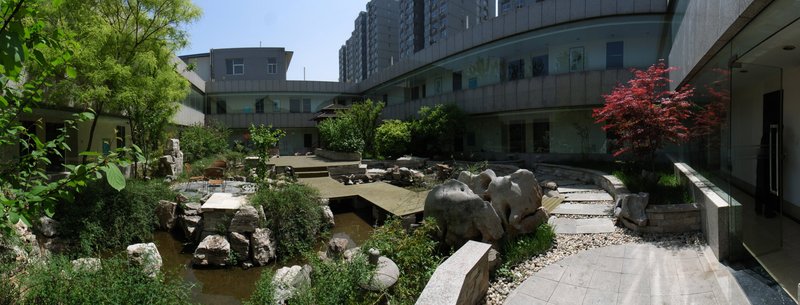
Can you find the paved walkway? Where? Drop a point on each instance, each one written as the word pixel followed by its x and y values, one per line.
pixel 307 161
pixel 393 199
pixel 636 274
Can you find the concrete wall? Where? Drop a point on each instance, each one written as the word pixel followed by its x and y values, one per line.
pixel 255 63
pixel 277 120
pixel 461 279
pixel 188 116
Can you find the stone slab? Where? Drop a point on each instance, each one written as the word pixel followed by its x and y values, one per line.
pixel 582 226
pixel 584 209
pixel 588 197
pixel 223 201
pixel 580 188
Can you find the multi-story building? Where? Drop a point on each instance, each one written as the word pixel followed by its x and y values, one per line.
pixel 412 27
pixel 382 34
pixel 505 6
pixel 447 17
pixel 356 48
pixel 343 64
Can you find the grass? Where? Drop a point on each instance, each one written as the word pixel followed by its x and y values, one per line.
pixel 525 247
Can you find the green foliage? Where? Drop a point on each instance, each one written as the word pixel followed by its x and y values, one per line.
pixel 392 138
pixel 414 253
pixel 265 291
pixel 437 128
pixel 663 186
pixel 102 218
pixel 336 282
pixel 364 116
pixel 264 138
pixel 198 142
pixel 56 281
pixel 341 134
pixel 293 215
pixel 525 247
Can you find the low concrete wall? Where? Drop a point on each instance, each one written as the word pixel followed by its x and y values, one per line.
pixel 669 218
pixel 716 214
pixel 608 182
pixel 353 169
pixel 337 156
pixel 461 279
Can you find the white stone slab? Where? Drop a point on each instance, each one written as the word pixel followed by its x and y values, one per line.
pixel 223 201
pixel 584 209
pixel 582 188
pixel 582 226
pixel 588 197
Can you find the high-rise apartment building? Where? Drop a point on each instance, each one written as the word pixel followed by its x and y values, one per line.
pixel 446 17
pixel 356 46
pixel 343 64
pixel 412 27
pixel 505 6
pixel 382 34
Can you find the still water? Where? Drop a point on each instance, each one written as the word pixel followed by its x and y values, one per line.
pixel 232 285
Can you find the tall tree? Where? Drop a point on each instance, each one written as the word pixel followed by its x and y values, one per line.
pixel 125 60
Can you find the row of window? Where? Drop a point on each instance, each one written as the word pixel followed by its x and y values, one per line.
pixel 577 61
pixel 235 66
pixel 295 106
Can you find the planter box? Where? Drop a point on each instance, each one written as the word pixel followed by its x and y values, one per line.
pixel 669 218
pixel 337 156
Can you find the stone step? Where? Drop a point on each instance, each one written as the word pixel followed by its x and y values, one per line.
pixel 312 174
pixel 310 169
pixel 581 226
pixel 584 209
pixel 581 188
pixel 593 196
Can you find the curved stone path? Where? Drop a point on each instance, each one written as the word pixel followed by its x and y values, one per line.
pixel 636 273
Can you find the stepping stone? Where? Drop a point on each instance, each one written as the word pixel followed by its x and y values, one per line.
pixel 580 188
pixel 584 209
pixel 566 182
pixel 592 196
pixel 550 203
pixel 582 226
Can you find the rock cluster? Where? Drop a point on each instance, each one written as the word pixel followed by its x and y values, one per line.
pixel 171 163
pixel 145 256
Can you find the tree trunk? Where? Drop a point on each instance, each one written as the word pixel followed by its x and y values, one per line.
pixel 91 130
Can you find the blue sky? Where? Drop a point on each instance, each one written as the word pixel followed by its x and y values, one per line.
pixel 313 29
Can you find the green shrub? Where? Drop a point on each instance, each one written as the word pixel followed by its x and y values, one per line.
pixel 525 247
pixel 341 134
pixel 392 138
pixel 265 291
pixel 293 215
pixel 414 253
pixel 55 281
pixel 199 141
pixel 437 128
pixel 102 218
pixel 336 282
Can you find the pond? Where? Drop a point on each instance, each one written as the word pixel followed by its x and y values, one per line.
pixel 232 285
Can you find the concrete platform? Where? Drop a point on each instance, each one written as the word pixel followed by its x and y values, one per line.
pixel 306 161
pixel 582 226
pixel 580 188
pixel 223 201
pixel 588 197
pixel 584 209
pixel 632 274
pixel 395 200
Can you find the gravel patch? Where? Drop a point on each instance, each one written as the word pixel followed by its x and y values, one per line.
pixel 569 244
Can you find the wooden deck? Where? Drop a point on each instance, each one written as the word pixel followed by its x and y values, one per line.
pixel 395 200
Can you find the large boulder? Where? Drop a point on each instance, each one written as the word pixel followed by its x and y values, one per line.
pixel 165 212
pixel 262 246
pixel 288 279
pixel 632 207
pixel 47 226
pixel 517 198
pixel 462 215
pixel 240 246
pixel 145 256
pixel 386 275
pixel 189 225
pixel 327 216
pixel 214 250
pixel 338 244
pixel 245 220
pixel 191 209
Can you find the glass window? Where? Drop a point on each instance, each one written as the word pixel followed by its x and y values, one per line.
pixel 294 105
pixel 614 55
pixel 234 66
pixel 260 106
pixel 222 107
pixel 516 69
pixel 541 137
pixel 272 65
pixel 276 106
pixel 473 82
pixel 307 105
pixel 539 66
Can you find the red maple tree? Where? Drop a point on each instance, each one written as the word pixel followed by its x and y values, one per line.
pixel 644 114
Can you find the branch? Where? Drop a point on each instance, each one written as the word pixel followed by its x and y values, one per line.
pixel 16 10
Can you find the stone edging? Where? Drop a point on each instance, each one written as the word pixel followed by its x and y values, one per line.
pixel 337 156
pixel 609 183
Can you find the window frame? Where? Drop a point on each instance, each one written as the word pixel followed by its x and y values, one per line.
pixel 272 65
pixel 231 65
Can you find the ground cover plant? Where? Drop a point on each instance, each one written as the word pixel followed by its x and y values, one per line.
pixel 524 247
pixel 294 216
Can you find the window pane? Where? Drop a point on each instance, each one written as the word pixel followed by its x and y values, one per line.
pixel 539 66
pixel 294 105
pixel 306 105
pixel 614 55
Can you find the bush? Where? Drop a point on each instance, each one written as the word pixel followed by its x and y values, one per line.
pixel 199 141
pixel 414 253
pixel 265 291
pixel 436 129
pixel 392 138
pixel 341 134
pixel 525 247
pixel 293 215
pixel 102 218
pixel 336 282
pixel 55 281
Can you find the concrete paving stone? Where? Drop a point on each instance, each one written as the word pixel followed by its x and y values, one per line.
pixel 579 188
pixel 600 297
pixel 552 272
pixel 610 264
pixel 584 209
pixel 538 288
pixel 577 275
pixel 582 226
pixel 698 282
pixel 635 266
pixel 612 251
pixel 700 299
pixel 566 294
pixel 634 283
pixel 633 299
pixel 665 285
pixel 517 298
pixel 584 259
pixel 588 197
pixel 689 265
pixel 667 300
pixel 643 251
pixel 604 280
pixel 685 252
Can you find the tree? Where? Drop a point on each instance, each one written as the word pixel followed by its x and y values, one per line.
pixel 341 134
pixel 264 138
pixel 437 128
pixel 645 114
pixel 30 58
pixel 364 117
pixel 124 61
pixel 392 138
